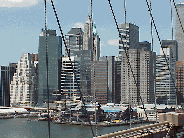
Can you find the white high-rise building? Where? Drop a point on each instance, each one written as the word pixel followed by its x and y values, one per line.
pixel 24 87
pixel 91 39
pixel 141 62
pixel 68 78
pixel 179 35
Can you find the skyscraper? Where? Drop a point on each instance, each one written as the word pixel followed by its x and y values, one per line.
pixel 99 80
pixel 7 73
pixel 130 36
pixel 141 62
pixel 23 87
pixel 87 37
pixel 74 40
pixel 85 71
pixel 165 83
pixel 96 45
pixel 54 65
pixel 179 35
pixel 69 79
pixel 91 39
pixel 180 80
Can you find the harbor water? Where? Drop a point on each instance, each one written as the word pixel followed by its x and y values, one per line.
pixel 21 128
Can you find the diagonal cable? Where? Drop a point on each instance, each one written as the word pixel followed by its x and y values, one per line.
pixel 68 52
pixel 162 47
pixel 47 66
pixel 126 53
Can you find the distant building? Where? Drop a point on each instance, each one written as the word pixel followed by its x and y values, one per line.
pixel 85 71
pixel 69 79
pixel 87 37
pixel 105 80
pixel 180 81
pixel 91 39
pixel 24 86
pixel 117 80
pixel 179 35
pixel 6 78
pixel 99 80
pixel 54 66
pixel 74 40
pixel 165 83
pixel 96 45
pixel 130 36
pixel 141 61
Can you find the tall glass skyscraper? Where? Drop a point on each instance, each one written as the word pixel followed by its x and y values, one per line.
pixel 54 66
pixel 179 35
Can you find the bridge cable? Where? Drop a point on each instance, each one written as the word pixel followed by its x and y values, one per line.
pixel 68 52
pixel 162 47
pixel 127 56
pixel 47 66
pixel 153 60
pixel 171 18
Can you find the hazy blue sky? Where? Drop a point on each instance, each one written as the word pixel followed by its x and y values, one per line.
pixel 21 22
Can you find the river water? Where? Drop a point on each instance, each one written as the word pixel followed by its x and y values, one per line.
pixel 21 128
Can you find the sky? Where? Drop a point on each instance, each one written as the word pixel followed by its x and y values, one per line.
pixel 21 22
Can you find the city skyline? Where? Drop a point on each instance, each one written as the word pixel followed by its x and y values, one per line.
pixel 20 26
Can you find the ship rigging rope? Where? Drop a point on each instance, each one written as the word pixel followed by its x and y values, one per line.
pixel 162 48
pixel 68 52
pixel 47 66
pixel 126 53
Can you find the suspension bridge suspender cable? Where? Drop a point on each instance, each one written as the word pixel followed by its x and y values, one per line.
pixel 161 47
pixel 68 52
pixel 128 69
pixel 93 64
pixel 171 18
pixel 154 77
pixel 47 66
pixel 128 61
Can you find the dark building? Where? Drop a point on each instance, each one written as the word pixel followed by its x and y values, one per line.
pixel 99 81
pixel 106 80
pixel 165 82
pixel 180 81
pixel 178 31
pixel 85 71
pixel 7 73
pixel 74 40
pixel 54 65
pixel 117 82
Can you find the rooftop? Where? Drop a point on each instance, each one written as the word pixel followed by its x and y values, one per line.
pixel 75 31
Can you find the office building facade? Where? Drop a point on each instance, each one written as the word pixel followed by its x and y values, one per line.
pixel 70 77
pixel 130 36
pixel 99 81
pixel 180 81
pixel 7 73
pixel 23 87
pixel 165 82
pixel 85 71
pixel 178 30
pixel 54 66
pixel 74 40
pixel 141 62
